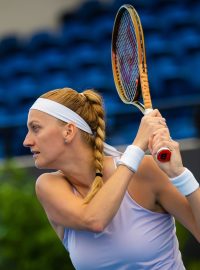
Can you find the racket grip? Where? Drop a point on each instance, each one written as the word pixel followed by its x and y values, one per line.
pixel 146 111
pixel 163 154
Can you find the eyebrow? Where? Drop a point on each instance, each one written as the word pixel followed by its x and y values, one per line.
pixel 31 122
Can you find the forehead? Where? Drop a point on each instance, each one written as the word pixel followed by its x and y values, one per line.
pixel 42 117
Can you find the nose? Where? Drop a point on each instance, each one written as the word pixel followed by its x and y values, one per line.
pixel 28 142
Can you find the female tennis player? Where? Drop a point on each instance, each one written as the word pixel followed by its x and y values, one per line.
pixel 112 211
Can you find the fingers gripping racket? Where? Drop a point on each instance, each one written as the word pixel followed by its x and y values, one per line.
pixel 129 64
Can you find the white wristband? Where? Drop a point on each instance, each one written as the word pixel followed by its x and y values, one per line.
pixel 132 157
pixel 185 182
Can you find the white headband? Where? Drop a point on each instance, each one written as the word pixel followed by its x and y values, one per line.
pixel 61 112
pixel 65 114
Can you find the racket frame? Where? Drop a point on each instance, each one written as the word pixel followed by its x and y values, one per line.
pixel 143 86
pixel 163 154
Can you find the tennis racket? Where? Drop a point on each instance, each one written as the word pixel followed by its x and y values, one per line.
pixel 129 64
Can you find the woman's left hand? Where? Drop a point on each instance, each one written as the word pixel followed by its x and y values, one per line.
pixel 161 138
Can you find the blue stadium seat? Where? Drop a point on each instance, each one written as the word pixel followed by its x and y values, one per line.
pixel 125 128
pixel 195 13
pixel 22 86
pixel 157 46
pixel 192 68
pixel 101 30
pixel 93 77
pixel 11 44
pixel 16 65
pixel 82 56
pixel 18 149
pixel 4 110
pixel 150 22
pixel 42 40
pixel 104 55
pixel 90 10
pixel 182 125
pixel 189 40
pixel 177 85
pixel 73 33
pixel 113 104
pixel 50 59
pixel 20 94
pixel 172 16
pixel 54 80
pixel 159 70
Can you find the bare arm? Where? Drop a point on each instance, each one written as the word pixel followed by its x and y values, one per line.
pixel 186 208
pixel 180 207
pixel 63 208
pixel 194 201
pixel 168 196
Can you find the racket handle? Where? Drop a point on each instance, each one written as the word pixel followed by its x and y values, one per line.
pixel 163 154
pixel 146 111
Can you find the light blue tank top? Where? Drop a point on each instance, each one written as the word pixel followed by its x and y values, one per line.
pixel 136 239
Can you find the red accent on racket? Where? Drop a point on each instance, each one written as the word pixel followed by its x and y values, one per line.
pixel 163 154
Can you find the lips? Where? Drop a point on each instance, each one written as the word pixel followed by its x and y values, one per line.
pixel 35 153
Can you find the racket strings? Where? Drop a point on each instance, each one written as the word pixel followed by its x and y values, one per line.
pixel 127 55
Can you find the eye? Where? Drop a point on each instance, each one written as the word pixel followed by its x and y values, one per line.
pixel 35 128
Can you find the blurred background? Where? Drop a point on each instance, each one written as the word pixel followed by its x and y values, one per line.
pixel 51 44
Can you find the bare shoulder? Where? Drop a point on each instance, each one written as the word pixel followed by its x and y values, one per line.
pixel 45 187
pixel 49 182
pixel 49 176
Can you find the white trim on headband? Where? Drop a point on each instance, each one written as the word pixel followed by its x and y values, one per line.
pixel 65 114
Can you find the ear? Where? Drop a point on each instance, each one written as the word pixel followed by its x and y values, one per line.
pixel 69 132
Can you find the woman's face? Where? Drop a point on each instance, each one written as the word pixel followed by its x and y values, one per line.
pixel 45 138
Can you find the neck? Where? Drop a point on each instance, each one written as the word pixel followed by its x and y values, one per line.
pixel 79 168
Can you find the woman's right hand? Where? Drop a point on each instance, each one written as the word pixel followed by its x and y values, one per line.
pixel 148 125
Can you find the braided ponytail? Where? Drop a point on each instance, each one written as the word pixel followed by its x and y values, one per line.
pixel 96 104
pixel 89 106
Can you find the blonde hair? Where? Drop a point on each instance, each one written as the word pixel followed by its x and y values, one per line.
pixel 89 106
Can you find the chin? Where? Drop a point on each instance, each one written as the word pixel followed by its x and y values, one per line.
pixel 43 165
